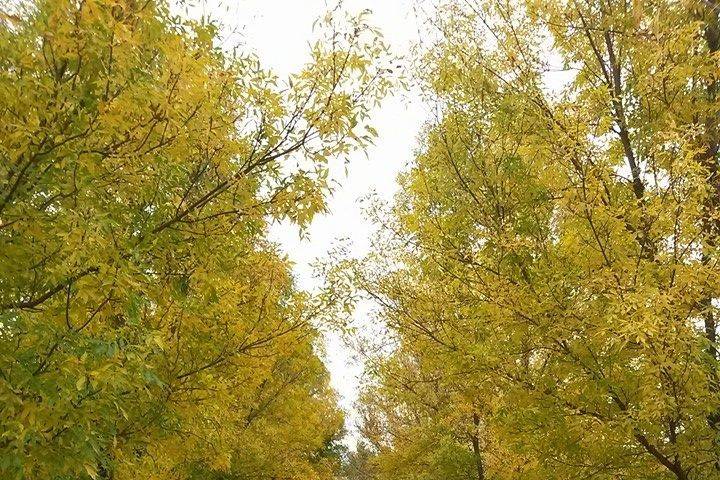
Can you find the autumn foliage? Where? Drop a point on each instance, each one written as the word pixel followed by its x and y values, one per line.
pixel 546 277
pixel 148 328
pixel 549 270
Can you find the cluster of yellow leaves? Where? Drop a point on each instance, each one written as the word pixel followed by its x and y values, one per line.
pixel 549 270
pixel 148 329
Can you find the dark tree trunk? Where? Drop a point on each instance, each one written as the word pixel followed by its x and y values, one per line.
pixel 475 439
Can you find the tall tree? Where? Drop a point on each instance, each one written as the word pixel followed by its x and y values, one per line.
pixel 148 328
pixel 550 267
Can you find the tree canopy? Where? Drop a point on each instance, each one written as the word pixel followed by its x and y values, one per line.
pixel 148 327
pixel 547 274
pixel 549 269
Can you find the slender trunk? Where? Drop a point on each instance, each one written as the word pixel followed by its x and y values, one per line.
pixel 475 439
pixel 711 224
pixel 710 15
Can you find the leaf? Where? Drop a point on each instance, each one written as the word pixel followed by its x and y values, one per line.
pixel 91 470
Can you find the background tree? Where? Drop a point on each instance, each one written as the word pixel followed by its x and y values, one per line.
pixel 358 463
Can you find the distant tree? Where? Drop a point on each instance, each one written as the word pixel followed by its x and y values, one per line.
pixel 358 464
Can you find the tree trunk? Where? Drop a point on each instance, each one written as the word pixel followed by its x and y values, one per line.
pixel 475 439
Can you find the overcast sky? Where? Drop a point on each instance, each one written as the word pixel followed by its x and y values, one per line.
pixel 280 31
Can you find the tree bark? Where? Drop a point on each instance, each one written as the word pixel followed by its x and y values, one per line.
pixel 475 439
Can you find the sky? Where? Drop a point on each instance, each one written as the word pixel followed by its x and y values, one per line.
pixel 279 32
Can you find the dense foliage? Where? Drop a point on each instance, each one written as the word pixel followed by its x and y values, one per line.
pixel 549 271
pixel 148 328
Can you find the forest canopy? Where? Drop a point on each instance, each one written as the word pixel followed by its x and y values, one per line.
pixel 545 279
pixel 148 327
pixel 548 271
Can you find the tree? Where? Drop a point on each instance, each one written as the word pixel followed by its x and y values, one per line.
pixel 549 267
pixel 148 328
pixel 358 464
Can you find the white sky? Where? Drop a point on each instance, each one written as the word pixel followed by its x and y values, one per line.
pixel 280 31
